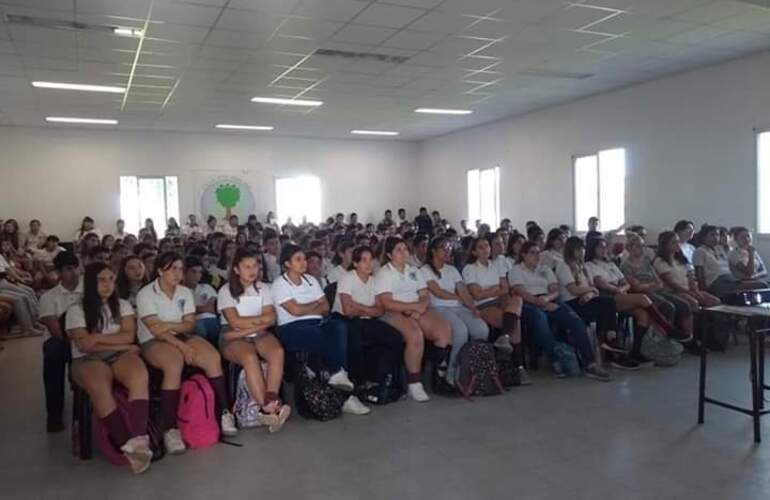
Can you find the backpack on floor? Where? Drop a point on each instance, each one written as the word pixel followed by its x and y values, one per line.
pixel 195 416
pixel 506 370
pixel 314 398
pixel 476 370
pixel 246 410
pixel 567 359
pixel 660 348
pixel 110 450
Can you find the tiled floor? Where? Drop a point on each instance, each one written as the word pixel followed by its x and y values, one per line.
pixel 634 438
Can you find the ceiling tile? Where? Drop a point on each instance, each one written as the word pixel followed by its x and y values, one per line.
pixel 333 10
pixel 418 40
pixel 356 33
pixel 389 16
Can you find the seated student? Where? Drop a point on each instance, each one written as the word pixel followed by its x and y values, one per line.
pixel 342 261
pixel 108 241
pixel 247 313
pixel 26 305
pixel 539 289
pixel 640 231
pixel 220 272
pixel 512 251
pixel 418 250
pixel 488 286
pixel 403 294
pixel 103 332
pixel 35 237
pixel 56 350
pixel 302 324
pixel 321 247
pixel 120 230
pixel 641 275
pixel 86 227
pixel 497 252
pixel 132 276
pixel 675 273
pixel 314 268
pixel 712 269
pixel 593 229
pixel 372 341
pixel 685 230
pixel 46 254
pixel 173 228
pixel 745 262
pixel 98 254
pixel 451 300
pixel 206 320
pixel 166 312
pixel 89 241
pixel 272 246
pixel 554 248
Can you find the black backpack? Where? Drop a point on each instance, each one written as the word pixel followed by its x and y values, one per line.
pixel 314 398
pixel 476 370
pixel 506 370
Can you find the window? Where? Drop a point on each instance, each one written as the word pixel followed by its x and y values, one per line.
pixel 298 197
pixel 600 188
pixel 155 198
pixel 484 197
pixel 763 182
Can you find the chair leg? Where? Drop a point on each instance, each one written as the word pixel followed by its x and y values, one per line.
pixel 82 438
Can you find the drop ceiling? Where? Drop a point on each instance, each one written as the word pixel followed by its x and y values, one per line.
pixel 200 61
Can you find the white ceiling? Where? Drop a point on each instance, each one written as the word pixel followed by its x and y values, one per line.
pixel 202 60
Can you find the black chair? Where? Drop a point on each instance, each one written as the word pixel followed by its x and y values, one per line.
pixel 82 427
pixel 331 293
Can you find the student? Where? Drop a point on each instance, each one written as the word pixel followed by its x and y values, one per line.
pixel 451 300
pixel 302 324
pixel 206 320
pixel 166 312
pixel 513 249
pixel 418 251
pixel 712 269
pixel 87 242
pixel 108 241
pixel 35 238
pixel 745 262
pixel 56 350
pixel 566 230
pixel 684 230
pixel 401 217
pixel 315 268
pixel 50 249
pixel 120 229
pixel 342 261
pixel 464 231
pixel 225 261
pixel 211 226
pixel 172 228
pixel 231 227
pixel 372 342
pixel 86 227
pixel 539 289
pixel 488 286
pixel 497 252
pixel 641 275
pixel 98 253
pixel 149 227
pixel 403 294
pixel 272 246
pixel 191 226
pixel 387 221
pixel 12 235
pixel 423 222
pixel 119 252
pixel 321 247
pixel 536 235
pixel 554 248
pixel 247 312
pixel 13 288
pixel 676 274
pixel 593 229
pixel 270 222
pixel 102 328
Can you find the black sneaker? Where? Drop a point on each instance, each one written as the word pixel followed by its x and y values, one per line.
pixel 625 363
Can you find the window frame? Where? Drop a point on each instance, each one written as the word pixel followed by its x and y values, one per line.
pixel 597 154
pixel 164 223
pixel 470 220
pixel 758 134
pixel 276 179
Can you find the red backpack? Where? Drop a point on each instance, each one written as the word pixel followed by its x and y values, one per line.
pixel 196 417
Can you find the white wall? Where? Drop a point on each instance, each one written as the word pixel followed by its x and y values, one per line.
pixel 59 175
pixel 691 150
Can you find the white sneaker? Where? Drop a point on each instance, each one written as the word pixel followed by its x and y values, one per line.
pixel 417 392
pixel 503 343
pixel 172 440
pixel 341 381
pixel 137 452
pixel 227 424
pixel 354 406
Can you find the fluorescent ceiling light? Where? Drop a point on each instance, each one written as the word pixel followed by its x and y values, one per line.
pixel 373 132
pixel 439 111
pixel 243 127
pixel 130 32
pixel 90 121
pixel 79 86
pixel 288 102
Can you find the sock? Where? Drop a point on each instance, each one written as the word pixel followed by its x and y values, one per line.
pixel 518 355
pixel 220 393
pixel 116 428
pixel 659 319
pixel 509 323
pixel 138 413
pixel 169 402
pixel 413 378
pixel 270 397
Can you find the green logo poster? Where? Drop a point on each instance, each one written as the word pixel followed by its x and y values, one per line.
pixel 226 196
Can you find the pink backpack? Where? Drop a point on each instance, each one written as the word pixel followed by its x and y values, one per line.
pixel 196 417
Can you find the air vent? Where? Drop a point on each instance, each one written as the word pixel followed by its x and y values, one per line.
pixel 760 3
pixel 44 22
pixel 369 56
pixel 564 75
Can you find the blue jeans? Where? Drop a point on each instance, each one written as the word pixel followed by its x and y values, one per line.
pixel 537 323
pixel 209 329
pixel 326 337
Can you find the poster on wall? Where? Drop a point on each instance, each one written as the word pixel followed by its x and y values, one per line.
pixel 225 193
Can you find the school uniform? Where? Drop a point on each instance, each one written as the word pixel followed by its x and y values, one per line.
pixel 716 269
pixel 152 301
pixel 250 303
pixel 604 269
pixel 670 305
pixel 310 333
pixel 21 293
pixel 230 231
pixel 551 258
pixel 273 269
pixel 678 272
pixel 206 324
pixel 741 256
pixel 688 250
pixel 76 319
pixel 34 240
pixel 335 274
pixel 56 351
pixel 485 276
pixel 464 324
pixel 600 310
pixel 46 257
pixel 403 286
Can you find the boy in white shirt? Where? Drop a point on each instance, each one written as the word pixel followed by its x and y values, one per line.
pixel 206 321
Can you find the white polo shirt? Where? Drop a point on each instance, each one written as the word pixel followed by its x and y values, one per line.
pixel 713 261
pixel 450 276
pixel 3 264
pixel 484 276
pixel 404 286
pixel 203 293
pixel 335 274
pixel 249 304
pixel 76 318
pixel 741 256
pixel 565 276
pixel 503 264
pixel 551 258
pixel 535 282
pixel 57 301
pixel 152 301
pixel 608 271
pixel 678 273
pixel 283 290
pixel 273 270
pixel 362 293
